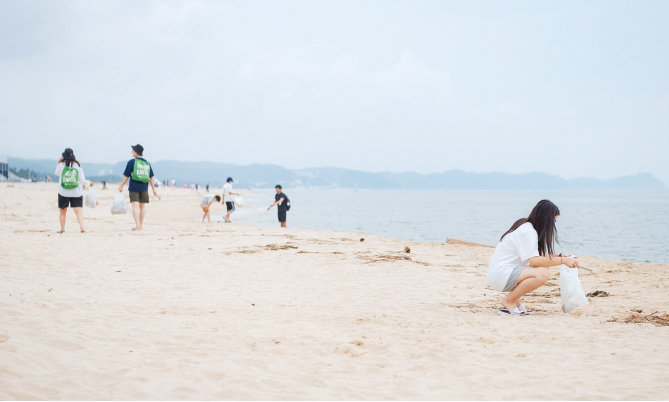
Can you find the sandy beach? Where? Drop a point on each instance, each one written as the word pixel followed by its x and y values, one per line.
pixel 185 310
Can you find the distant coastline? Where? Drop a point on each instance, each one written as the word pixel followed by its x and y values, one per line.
pixel 263 175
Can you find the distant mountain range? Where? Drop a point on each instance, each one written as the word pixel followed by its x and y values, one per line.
pixel 257 175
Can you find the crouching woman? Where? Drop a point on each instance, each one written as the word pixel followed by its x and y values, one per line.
pixel 525 253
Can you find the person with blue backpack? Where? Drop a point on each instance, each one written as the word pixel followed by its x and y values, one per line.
pixel 140 173
pixel 70 181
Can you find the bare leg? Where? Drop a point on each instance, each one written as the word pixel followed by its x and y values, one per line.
pixel 204 213
pixel 208 215
pixel 530 279
pixel 80 217
pixel 135 215
pixel 63 212
pixel 142 214
pixel 283 224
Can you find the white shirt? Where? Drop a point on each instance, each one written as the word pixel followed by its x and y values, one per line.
pixel 207 199
pixel 515 249
pixel 71 192
pixel 227 189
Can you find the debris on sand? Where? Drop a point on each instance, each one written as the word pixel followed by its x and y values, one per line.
pixel 655 318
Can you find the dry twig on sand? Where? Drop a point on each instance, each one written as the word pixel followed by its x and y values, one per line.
pixel 655 318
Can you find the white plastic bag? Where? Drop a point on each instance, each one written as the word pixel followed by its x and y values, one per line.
pixel 119 206
pixel 571 291
pixel 91 199
pixel 239 201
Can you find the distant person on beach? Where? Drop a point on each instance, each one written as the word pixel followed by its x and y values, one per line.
pixel 283 203
pixel 227 197
pixel 140 173
pixel 70 183
pixel 206 202
pixel 522 258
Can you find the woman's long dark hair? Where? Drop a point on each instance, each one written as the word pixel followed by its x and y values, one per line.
pixel 542 219
pixel 70 162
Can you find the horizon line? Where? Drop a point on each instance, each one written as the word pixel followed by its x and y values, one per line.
pixel 639 173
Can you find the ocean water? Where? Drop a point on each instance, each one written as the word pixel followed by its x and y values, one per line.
pixel 622 225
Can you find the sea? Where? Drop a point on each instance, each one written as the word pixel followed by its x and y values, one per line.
pixel 621 225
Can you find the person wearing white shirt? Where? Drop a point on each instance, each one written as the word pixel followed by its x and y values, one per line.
pixel 205 204
pixel 70 181
pixel 521 261
pixel 227 198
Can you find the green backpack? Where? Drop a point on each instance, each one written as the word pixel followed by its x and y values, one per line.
pixel 141 171
pixel 69 178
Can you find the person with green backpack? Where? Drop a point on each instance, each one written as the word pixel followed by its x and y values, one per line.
pixel 140 173
pixel 70 181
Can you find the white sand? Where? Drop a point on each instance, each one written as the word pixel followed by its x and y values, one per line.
pixel 186 310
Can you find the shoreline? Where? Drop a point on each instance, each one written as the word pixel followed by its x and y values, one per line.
pixel 651 255
pixel 184 310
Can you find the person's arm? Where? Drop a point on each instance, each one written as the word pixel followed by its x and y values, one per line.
pixel 125 180
pixel 126 174
pixel 563 255
pixel 82 179
pixel 279 201
pixel 153 187
pixel 59 167
pixel 552 261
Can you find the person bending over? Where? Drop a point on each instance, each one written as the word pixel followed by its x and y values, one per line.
pixel 525 253
pixel 206 202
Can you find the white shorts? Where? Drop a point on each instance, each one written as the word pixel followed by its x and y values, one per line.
pixel 506 279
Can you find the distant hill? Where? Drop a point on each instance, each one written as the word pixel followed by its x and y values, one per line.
pixel 257 175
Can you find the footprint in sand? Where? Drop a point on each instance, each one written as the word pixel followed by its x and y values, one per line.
pixel 4 338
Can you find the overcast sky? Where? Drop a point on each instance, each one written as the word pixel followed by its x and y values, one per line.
pixel 570 88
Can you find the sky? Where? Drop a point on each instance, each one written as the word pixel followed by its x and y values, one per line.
pixel 571 88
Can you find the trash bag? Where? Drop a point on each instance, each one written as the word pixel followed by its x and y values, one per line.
pixel 571 291
pixel 119 205
pixel 239 201
pixel 91 199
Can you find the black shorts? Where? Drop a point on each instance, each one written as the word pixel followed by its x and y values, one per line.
pixel 74 202
pixel 230 205
pixel 139 196
pixel 282 215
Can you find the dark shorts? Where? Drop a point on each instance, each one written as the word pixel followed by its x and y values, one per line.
pixel 282 215
pixel 136 196
pixel 230 205
pixel 74 202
